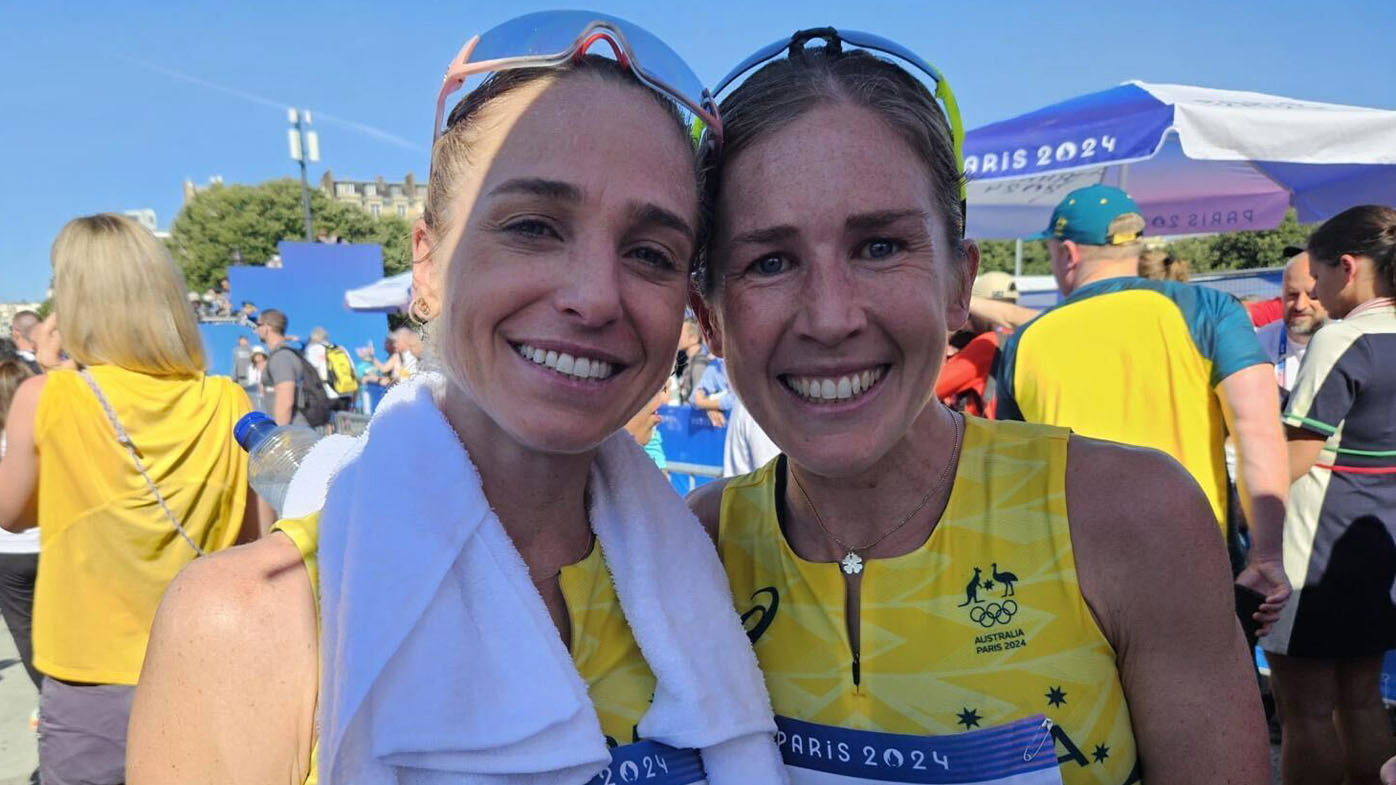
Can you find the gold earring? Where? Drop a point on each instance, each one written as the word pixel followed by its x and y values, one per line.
pixel 421 308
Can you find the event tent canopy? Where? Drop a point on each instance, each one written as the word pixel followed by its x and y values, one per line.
pixel 1197 160
pixel 390 295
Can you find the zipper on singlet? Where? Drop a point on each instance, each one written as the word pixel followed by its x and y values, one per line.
pixel 855 632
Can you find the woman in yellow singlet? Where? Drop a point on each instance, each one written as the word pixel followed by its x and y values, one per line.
pixel 933 597
pixel 419 641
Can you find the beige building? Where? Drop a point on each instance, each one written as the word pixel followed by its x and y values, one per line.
pixel 406 199
pixel 191 188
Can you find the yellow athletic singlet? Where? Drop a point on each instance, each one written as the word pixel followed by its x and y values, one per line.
pixel 969 644
pixel 618 679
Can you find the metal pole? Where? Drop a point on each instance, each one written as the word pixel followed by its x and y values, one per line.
pixel 305 183
pixel 1018 258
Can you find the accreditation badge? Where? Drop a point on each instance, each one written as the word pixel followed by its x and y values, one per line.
pixel 1020 753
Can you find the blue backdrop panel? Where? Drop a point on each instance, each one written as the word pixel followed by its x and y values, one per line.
pixel 220 338
pixel 309 288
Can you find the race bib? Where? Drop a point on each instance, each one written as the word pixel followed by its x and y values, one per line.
pixel 652 763
pixel 1020 753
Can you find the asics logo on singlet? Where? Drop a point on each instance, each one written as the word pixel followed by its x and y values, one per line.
pixel 767 613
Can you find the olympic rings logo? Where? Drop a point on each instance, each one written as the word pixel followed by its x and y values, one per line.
pixel 993 613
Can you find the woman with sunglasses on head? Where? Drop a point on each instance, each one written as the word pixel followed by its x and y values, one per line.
pixel 932 595
pixel 540 596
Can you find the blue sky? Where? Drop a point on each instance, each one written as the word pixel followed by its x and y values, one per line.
pixel 110 106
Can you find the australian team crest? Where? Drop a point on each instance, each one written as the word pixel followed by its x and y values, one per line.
pixel 995 607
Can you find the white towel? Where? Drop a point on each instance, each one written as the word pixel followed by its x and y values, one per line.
pixel 440 662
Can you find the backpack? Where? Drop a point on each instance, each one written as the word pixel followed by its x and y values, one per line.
pixel 341 370
pixel 311 400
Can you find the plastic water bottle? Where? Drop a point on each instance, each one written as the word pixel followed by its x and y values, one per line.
pixel 274 453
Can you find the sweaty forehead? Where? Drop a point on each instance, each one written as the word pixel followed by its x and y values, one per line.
pixel 609 139
pixel 832 161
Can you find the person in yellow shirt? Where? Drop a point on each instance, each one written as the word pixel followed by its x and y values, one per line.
pixel 930 594
pixel 117 520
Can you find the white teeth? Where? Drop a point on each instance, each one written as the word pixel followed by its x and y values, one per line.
pixel 834 389
pixel 579 367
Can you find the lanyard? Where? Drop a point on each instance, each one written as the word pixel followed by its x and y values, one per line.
pixel 1282 368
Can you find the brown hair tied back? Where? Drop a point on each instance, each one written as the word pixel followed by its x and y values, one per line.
pixel 785 89
pixel 1368 230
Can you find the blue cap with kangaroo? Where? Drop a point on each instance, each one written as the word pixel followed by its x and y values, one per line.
pixel 1085 215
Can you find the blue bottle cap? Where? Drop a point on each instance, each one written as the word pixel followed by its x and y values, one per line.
pixel 252 428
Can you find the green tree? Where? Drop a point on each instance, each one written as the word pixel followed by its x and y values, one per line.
pixel 1242 250
pixel 253 218
pixel 998 255
pixel 1205 253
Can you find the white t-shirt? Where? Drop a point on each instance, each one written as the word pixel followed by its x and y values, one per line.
pixel 315 355
pixel 1273 337
pixel 747 447
pixel 26 541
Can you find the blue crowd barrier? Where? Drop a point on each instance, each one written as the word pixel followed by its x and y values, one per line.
pixel 692 446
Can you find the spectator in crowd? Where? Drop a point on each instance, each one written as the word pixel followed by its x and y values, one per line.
pixel 1157 364
pixel 247 314
pixel 404 355
pixel 19 551
pixel 691 361
pixel 22 333
pixel 315 350
pixel 285 371
pixel 257 390
pixel 117 519
pixel 964 381
pixel 644 428
pixel 371 382
pixel 1160 265
pixel 713 394
pixel 1286 340
pixel 1340 532
pixel 242 360
pixel 367 368
pixel 409 351
pixel 223 298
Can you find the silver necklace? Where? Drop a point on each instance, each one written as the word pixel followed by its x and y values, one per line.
pixel 852 562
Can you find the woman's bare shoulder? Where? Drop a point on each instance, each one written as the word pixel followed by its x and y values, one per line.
pixel 254 599
pixel 229 685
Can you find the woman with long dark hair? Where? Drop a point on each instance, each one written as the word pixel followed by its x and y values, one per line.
pixel 1340 530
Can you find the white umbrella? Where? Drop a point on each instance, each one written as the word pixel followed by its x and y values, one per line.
pixel 389 295
pixel 1197 160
